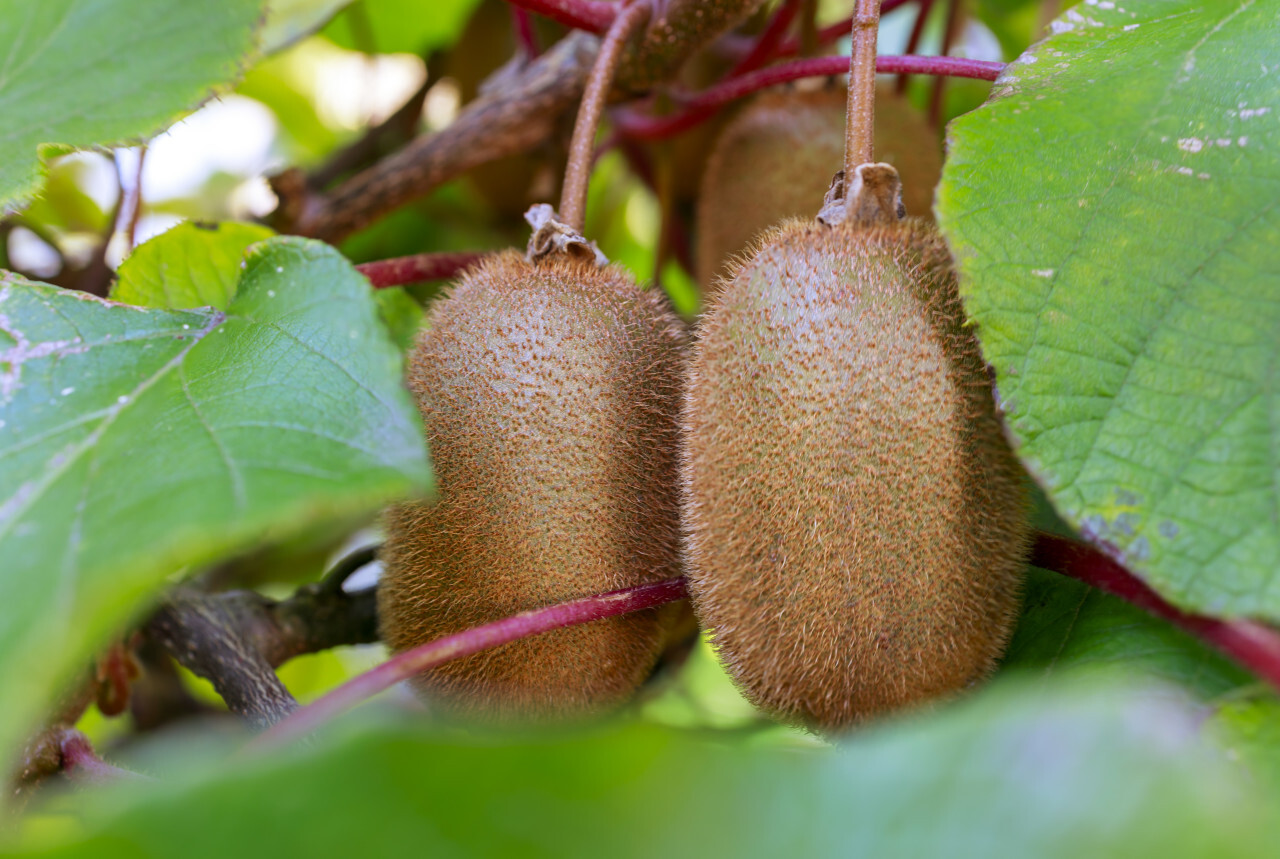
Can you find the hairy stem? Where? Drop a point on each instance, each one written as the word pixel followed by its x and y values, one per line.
pixel 1253 645
pixel 859 134
pixel 573 199
pixel 590 15
pixel 702 106
pixel 412 662
pixel 398 271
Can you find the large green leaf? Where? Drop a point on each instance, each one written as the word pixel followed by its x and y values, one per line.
pixel 81 72
pixel 1114 211
pixel 191 265
pixel 1067 626
pixel 1069 773
pixel 288 21
pixel 404 26
pixel 134 442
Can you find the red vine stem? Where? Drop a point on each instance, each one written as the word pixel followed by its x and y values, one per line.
pixel 766 46
pixel 827 35
pixel 1254 645
pixel 81 762
pixel 412 662
pixel 398 271
pixel 590 15
pixel 913 41
pixel 522 26
pixel 701 106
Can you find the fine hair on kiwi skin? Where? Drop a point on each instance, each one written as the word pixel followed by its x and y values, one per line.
pixel 857 525
pixel 549 387
pixel 786 139
pixel 550 394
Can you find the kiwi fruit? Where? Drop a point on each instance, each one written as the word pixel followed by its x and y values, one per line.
pixel 774 160
pixel 857 522
pixel 550 394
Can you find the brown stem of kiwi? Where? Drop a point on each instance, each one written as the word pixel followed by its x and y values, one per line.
pixel 573 199
pixel 860 130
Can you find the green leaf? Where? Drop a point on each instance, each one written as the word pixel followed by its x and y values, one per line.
pixel 136 442
pixel 1113 209
pixel 288 21
pixel 1248 727
pixel 1017 772
pixel 1067 626
pixel 191 265
pixel 78 72
pixel 401 314
pixel 399 26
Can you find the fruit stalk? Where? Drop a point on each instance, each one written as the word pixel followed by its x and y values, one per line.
pixel 861 111
pixel 573 199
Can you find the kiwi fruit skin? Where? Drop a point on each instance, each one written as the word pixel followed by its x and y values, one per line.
pixel 550 395
pixel 857 522
pixel 776 158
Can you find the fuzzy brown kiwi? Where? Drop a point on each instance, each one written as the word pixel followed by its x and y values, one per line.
pixel 550 394
pixel 774 160
pixel 857 522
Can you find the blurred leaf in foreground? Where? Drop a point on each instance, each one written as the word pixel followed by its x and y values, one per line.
pixel 1074 771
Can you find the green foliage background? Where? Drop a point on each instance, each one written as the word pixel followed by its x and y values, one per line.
pixel 1112 207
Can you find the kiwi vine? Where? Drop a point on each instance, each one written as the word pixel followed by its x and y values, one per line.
pixel 654 478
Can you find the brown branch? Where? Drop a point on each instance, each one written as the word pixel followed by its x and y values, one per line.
pixel 394 131
pixel 236 639
pixel 503 121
